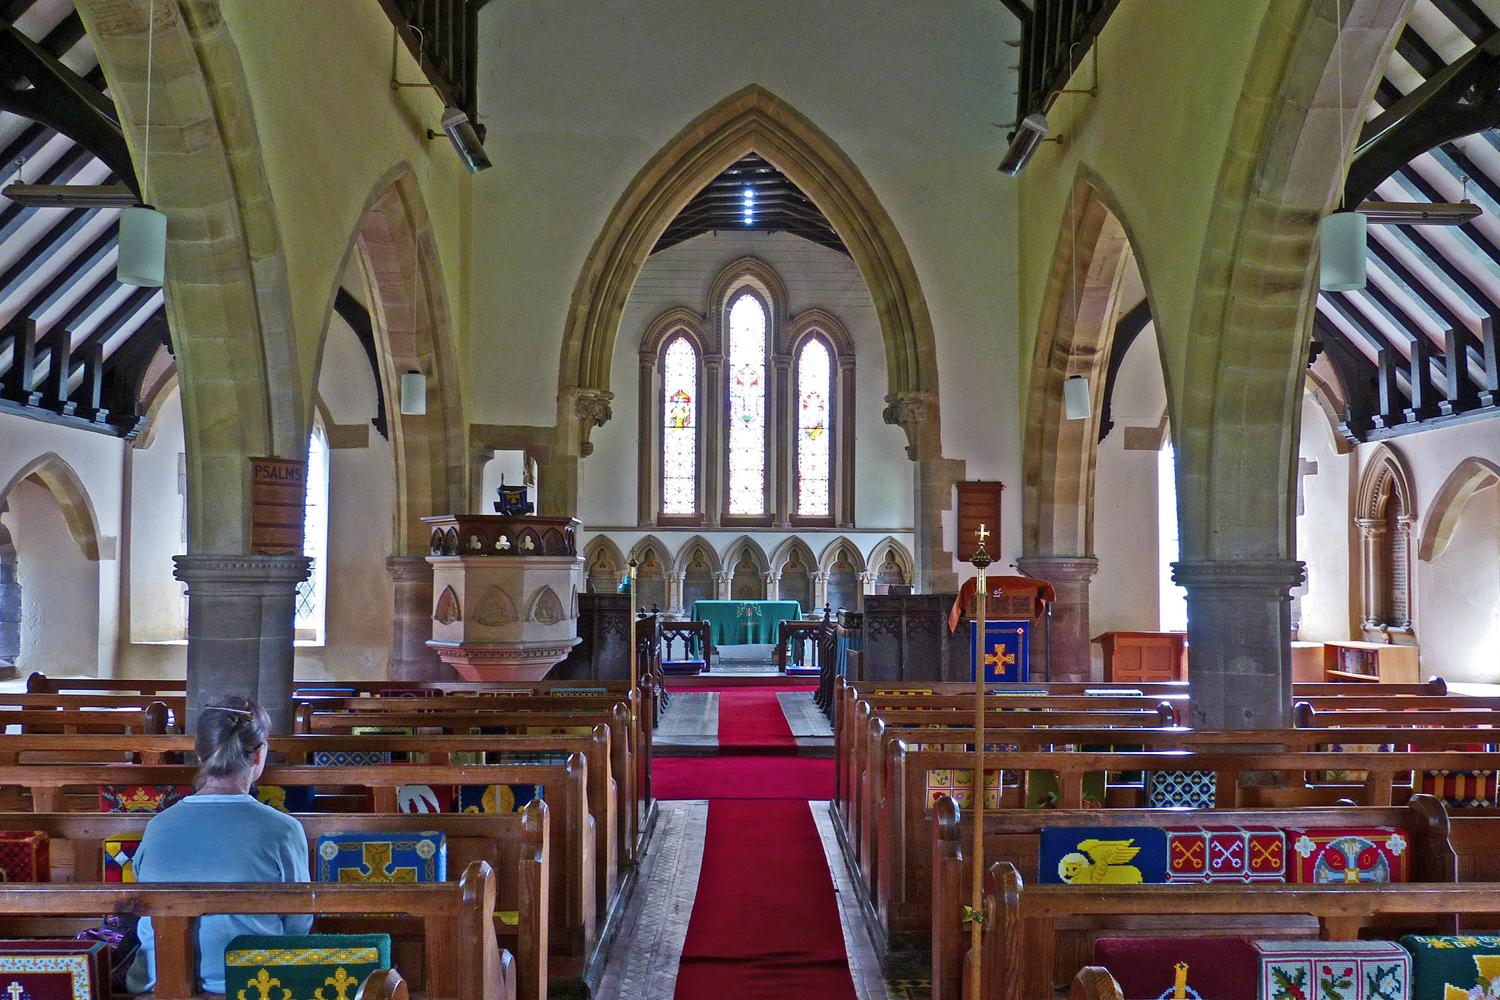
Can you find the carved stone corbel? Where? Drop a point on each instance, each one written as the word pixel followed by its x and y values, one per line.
pixel 908 410
pixel 591 408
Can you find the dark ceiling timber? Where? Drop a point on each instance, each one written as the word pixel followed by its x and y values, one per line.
pixel 55 96
pixel 75 344
pixel 1127 328
pixel 1406 349
pixel 779 206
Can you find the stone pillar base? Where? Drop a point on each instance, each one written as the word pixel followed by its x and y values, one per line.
pixel 1072 656
pixel 241 615
pixel 522 661
pixel 1239 640
pixel 411 658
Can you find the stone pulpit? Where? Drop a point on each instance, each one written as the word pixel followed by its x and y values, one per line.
pixel 505 593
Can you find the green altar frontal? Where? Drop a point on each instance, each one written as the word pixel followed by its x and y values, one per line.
pixel 738 623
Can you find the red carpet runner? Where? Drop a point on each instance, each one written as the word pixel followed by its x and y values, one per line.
pixel 765 922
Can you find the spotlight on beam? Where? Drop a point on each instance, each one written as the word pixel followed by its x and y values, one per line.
pixel 1023 143
pixel 465 139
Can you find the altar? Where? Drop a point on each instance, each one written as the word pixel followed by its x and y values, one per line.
pixel 737 623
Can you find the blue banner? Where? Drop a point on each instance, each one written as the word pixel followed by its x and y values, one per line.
pixel 1005 651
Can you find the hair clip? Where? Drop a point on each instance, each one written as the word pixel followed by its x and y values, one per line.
pixel 246 713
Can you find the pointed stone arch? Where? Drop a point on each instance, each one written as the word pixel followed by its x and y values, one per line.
pixel 1471 476
pixel 603 565
pixel 228 298
pixel 801 587
pixel 889 549
pixel 72 499
pixel 656 574
pixel 754 120
pixel 699 581
pixel 1385 511
pixel 396 251
pixel 832 550
pixel 843 577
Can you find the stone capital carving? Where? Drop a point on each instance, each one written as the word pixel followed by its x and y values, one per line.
pixel 908 410
pixel 245 575
pixel 1219 577
pixel 1372 527
pixel 591 409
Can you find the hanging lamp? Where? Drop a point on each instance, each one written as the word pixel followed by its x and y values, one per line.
pixel 1076 398
pixel 1343 235
pixel 142 259
pixel 413 394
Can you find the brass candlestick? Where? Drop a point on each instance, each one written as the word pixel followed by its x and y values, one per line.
pixel 981 562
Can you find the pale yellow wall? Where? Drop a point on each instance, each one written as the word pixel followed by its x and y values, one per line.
pixel 330 127
pixel 1169 78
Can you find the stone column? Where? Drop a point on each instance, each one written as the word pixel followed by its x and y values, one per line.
pixel 1072 655
pixel 10 606
pixel 1372 532
pixel 411 658
pixel 648 468
pixel 1239 640
pixel 710 466
pixel 241 615
pixel 781 439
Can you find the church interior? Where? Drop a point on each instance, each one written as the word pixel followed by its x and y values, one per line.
pixel 599 434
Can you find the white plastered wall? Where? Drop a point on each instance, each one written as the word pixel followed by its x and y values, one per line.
pixel 1124 595
pixel 96 459
pixel 1325 539
pixel 362 486
pixel 580 96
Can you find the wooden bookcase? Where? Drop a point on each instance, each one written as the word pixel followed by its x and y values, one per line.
pixel 1370 663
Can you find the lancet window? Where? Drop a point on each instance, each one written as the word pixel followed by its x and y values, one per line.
pixel 679 432
pixel 747 406
pixel 814 428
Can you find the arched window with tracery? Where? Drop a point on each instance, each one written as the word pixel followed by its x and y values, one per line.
pixel 747 406
pixel 679 432
pixel 814 428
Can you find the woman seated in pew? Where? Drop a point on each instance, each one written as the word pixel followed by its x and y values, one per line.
pixel 221 833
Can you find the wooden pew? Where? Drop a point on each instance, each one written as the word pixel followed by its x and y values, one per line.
pixel 463 957
pixel 631 770
pixel 1014 837
pixel 573 903
pixel 514 845
pixel 863 767
pixel 1020 941
pixel 612 883
pixel 901 898
pixel 153 718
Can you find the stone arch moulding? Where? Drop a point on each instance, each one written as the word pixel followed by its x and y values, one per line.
pixel 654 544
pixel 783 552
pixel 602 547
pixel 72 499
pixel 710 554
pixel 756 274
pixel 856 558
pixel 1077 328
pixel 754 120
pixel 892 547
pixel 398 263
pixel 741 547
pixel 1471 476
pixel 1385 574
pixel 228 297
pixel 1385 476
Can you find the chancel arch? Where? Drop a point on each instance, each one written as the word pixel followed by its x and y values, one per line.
pixel 1385 511
pixel 755 121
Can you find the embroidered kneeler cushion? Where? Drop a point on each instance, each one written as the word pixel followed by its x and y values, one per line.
pixel 1461 789
pixel 1193 789
pixel 1043 791
pixel 495 798
pixel 25 856
pixel 119 857
pixel 383 857
pixel 1347 855
pixel 140 798
pixel 285 798
pixel 54 970
pixel 1102 855
pixel 1334 970
pixel 959 784
pixel 424 798
pixel 1453 967
pixel 1226 854
pixel 302 967
pixel 350 758
pixel 1146 968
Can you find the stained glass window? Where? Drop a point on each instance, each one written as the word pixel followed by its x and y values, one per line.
pixel 814 442
pixel 679 432
pixel 747 406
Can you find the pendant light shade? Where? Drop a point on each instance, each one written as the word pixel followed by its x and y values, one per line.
pixel 143 247
pixel 413 394
pixel 1076 398
pixel 1342 257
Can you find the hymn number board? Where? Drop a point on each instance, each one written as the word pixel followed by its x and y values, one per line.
pixel 278 488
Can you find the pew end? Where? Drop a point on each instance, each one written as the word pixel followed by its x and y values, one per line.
pixel 382 984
